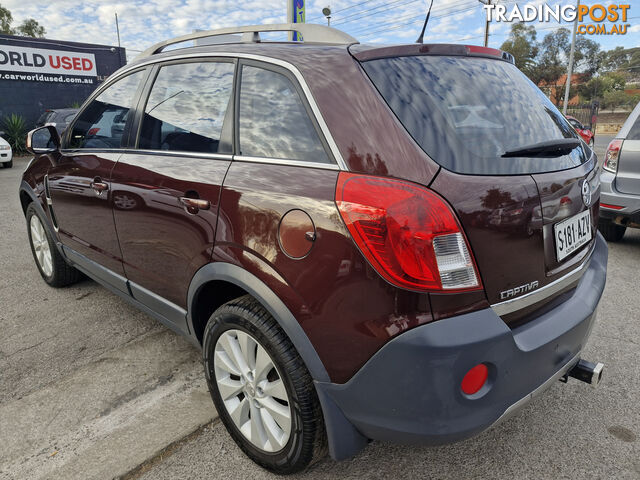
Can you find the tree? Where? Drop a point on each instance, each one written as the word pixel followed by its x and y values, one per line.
pixel 523 46
pixel 31 28
pixel 601 86
pixel 619 98
pixel 5 21
pixel 28 28
pixel 588 57
pixel 551 65
pixel 615 59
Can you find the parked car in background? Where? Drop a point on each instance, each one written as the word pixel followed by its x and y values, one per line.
pixel 6 154
pixel 587 135
pixel 58 118
pixel 620 198
pixel 346 231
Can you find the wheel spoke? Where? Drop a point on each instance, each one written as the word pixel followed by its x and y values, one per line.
pixel 226 363
pixel 263 364
pixel 248 348
pixel 229 388
pixel 48 267
pixel 258 435
pixel 280 413
pixel 276 389
pixel 240 413
pixel 272 429
pixel 232 347
pixel 35 235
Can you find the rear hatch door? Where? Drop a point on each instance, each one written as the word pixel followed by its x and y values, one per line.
pixel 467 112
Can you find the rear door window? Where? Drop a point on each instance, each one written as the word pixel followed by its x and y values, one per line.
pixel 273 120
pixel 187 108
pixel 101 124
pixel 466 112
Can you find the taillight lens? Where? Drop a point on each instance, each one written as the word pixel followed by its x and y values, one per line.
pixel 611 157
pixel 407 232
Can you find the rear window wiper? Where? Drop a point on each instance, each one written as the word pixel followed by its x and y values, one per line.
pixel 550 148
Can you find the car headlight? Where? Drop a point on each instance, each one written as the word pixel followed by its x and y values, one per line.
pixel 5 147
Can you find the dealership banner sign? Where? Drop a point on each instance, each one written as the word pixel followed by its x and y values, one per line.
pixel 37 64
pixel 591 19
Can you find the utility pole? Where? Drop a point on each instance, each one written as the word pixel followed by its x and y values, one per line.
pixel 486 28
pixel 571 55
pixel 118 33
pixel 118 29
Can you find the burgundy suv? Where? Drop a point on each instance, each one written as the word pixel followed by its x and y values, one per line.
pixel 366 243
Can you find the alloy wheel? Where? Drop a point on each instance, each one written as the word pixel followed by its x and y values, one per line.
pixel 41 245
pixel 252 390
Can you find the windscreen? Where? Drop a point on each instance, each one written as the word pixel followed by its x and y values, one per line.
pixel 466 112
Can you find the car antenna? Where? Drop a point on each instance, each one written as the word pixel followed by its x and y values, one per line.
pixel 424 27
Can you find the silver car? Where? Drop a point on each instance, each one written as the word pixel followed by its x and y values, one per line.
pixel 620 196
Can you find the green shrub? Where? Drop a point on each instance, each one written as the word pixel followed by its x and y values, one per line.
pixel 15 132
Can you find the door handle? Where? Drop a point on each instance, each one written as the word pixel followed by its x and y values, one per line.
pixel 99 186
pixel 193 205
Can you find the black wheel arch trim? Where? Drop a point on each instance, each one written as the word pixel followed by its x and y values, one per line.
pixel 228 272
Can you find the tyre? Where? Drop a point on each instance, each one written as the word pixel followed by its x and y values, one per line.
pixel 261 388
pixel 51 265
pixel 8 164
pixel 610 231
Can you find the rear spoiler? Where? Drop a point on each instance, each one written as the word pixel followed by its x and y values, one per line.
pixel 363 53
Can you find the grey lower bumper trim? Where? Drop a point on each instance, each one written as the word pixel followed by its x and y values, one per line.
pixel 538 391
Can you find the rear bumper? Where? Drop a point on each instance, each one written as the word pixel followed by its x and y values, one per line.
pixel 409 391
pixel 609 195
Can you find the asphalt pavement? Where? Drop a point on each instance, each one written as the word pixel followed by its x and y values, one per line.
pixel 92 388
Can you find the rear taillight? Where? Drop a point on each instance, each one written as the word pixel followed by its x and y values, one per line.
pixel 611 157
pixel 408 233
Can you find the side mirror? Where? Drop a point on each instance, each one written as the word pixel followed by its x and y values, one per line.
pixel 1 133
pixel 43 140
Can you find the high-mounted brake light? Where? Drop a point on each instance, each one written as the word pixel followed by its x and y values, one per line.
pixel 488 51
pixel 612 156
pixel 407 232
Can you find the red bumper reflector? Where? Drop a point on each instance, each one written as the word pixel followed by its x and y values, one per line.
pixel 612 207
pixel 475 379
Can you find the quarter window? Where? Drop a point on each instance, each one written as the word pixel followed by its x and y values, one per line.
pixel 187 108
pixel 634 133
pixel 273 120
pixel 101 124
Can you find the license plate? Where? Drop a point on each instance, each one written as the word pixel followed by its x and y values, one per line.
pixel 572 233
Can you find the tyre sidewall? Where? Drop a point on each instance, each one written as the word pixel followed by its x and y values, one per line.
pixel 290 454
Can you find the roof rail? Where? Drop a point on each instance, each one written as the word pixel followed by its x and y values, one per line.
pixel 311 32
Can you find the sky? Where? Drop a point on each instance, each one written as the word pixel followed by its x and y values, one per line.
pixel 143 23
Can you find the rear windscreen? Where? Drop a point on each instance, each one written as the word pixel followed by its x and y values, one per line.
pixel 467 112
